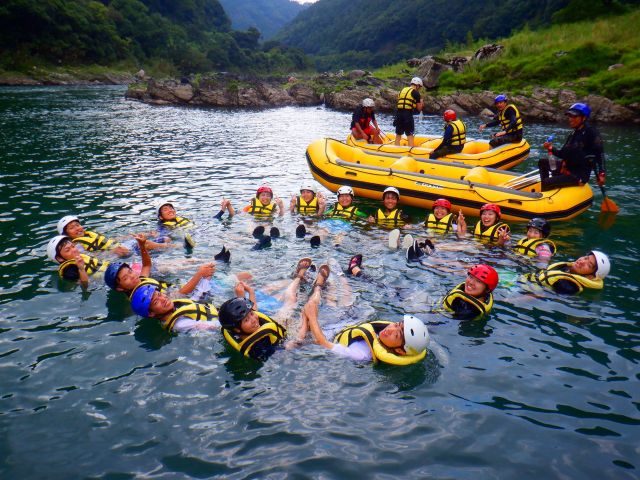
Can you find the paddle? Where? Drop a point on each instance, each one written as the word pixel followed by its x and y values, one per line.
pixel 607 205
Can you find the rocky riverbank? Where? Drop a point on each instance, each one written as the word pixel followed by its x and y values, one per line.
pixel 65 77
pixel 344 91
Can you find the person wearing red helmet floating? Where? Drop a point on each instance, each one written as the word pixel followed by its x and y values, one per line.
pixel 441 219
pixel 454 136
pixel 489 227
pixel 473 298
pixel 509 119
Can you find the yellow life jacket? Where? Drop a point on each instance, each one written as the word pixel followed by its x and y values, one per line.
pixel 259 210
pixel 504 121
pixel 483 307
pixel 349 213
pixel 405 99
pixel 188 308
pixel 178 222
pixel 459 132
pixel 527 246
pixel 269 328
pixel 490 232
pixel 162 286
pixel 368 331
pixel 92 241
pixel 393 219
pixel 305 208
pixel 557 271
pixel 92 265
pixel 444 225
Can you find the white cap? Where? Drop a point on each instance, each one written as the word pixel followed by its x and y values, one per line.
pixel 346 190
pixel 52 246
pixel 603 265
pixel 367 102
pixel 64 221
pixel 308 186
pixel 391 189
pixel 416 81
pixel 416 335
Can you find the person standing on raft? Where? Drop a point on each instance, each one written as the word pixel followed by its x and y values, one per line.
pixel 408 101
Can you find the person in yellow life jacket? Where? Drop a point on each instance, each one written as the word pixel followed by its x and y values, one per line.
pixel 510 121
pixel 344 207
pixel 408 101
pixel 73 264
pixel 441 219
pixel 489 227
pixel 169 221
pixel 364 125
pixel 70 226
pixel 263 205
pixel 309 202
pixel 454 137
pixel 389 215
pixel 535 243
pixel 473 298
pixel 570 278
pixel 180 315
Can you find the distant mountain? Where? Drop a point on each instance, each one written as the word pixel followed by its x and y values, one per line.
pixel 268 16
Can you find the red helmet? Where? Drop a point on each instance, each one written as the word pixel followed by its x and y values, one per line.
pixel 493 207
pixel 442 202
pixel 449 115
pixel 264 188
pixel 486 275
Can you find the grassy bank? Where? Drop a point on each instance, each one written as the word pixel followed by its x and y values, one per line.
pixel 575 55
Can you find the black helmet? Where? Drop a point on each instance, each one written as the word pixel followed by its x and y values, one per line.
pixel 233 311
pixel 541 224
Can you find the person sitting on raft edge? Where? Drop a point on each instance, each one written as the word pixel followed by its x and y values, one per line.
pixel 364 125
pixel 389 215
pixel 473 298
pixel 510 121
pixel 453 138
pixel 570 278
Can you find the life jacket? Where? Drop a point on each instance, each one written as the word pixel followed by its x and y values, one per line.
pixel 490 232
pixel 504 121
pixel 558 271
pixel 527 246
pixel 188 308
pixel 92 265
pixel 364 120
pixel 459 132
pixel 405 99
pixel 259 210
pixel 444 225
pixel 92 241
pixel 393 219
pixel 368 331
pixel 483 307
pixel 349 213
pixel 305 208
pixel 162 286
pixel 269 328
pixel 178 222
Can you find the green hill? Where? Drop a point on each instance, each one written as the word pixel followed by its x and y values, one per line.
pixel 268 16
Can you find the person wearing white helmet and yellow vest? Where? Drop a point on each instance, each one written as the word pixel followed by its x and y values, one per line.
pixel 309 202
pixel 389 215
pixel 344 207
pixel 408 101
pixel 588 271
pixel 73 264
pixel 364 125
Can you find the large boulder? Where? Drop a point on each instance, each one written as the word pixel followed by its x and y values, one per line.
pixel 303 94
pixel 430 70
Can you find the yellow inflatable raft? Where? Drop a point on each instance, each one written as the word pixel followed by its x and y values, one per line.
pixel 421 182
pixel 477 153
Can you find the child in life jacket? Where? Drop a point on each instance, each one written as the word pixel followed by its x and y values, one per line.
pixel 73 265
pixel 389 215
pixel 263 205
pixel 489 226
pixel 169 221
pixel 344 207
pixel 441 219
pixel 309 202
pixel 535 244
pixel 473 298
pixel 569 278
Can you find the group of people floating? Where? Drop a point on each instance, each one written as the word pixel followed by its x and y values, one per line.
pixel 581 153
pixel 255 334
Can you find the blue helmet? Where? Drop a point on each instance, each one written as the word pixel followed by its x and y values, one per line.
pixel 579 109
pixel 500 98
pixel 141 299
pixel 111 274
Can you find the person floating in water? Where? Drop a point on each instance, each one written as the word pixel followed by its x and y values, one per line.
pixel 389 215
pixel 344 207
pixel 569 278
pixel 489 226
pixel 263 205
pixel 309 202
pixel 536 243
pixel 73 265
pixel 473 298
pixel 441 219
pixel 169 221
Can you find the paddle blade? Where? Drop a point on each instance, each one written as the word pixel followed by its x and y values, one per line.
pixel 606 220
pixel 608 205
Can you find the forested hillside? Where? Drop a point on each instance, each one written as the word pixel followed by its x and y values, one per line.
pixel 371 33
pixel 268 16
pixel 185 36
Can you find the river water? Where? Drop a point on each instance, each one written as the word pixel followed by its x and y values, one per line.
pixel 547 387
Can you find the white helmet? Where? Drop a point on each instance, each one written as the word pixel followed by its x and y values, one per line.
pixel 603 265
pixel 391 189
pixel 416 81
pixel 64 221
pixel 308 186
pixel 416 335
pixel 367 102
pixel 346 190
pixel 52 246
